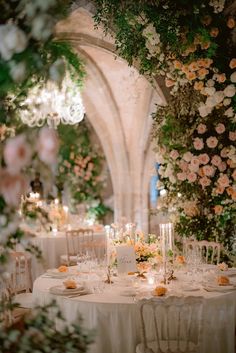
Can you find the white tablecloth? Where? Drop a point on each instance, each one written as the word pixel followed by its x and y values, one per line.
pixel 116 317
pixel 53 246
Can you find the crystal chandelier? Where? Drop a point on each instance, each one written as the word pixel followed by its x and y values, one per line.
pixel 53 104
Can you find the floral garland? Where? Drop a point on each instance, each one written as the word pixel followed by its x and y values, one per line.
pixel 191 44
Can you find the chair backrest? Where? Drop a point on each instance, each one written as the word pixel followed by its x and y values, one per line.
pixel 6 317
pixel 209 250
pixel 172 319
pixel 78 241
pixel 19 268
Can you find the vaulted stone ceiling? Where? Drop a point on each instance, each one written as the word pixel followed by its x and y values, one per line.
pixel 118 103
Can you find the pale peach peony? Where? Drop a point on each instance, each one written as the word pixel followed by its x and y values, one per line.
pixel 198 85
pixel 12 187
pixel 220 128
pixel 232 63
pixel 216 160
pixel 48 145
pixel 193 66
pixel 203 158
pixel 208 170
pixel 17 153
pixel 223 180
pixel 232 135
pixel 218 209
pixel 221 78
pixel 202 73
pixel 191 76
pixel 201 129
pixel 204 182
pixel 212 142
pixel 198 143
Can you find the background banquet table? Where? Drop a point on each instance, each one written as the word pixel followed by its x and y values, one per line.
pixel 116 317
pixel 53 246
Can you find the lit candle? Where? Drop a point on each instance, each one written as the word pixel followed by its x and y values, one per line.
pixel 56 201
pixel 151 280
pixel 54 231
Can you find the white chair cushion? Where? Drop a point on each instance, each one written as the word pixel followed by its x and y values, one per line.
pixel 152 347
pixel 64 260
pixel 25 300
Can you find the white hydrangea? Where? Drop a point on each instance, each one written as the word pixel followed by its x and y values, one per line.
pixel 204 110
pixel 42 27
pixel 12 40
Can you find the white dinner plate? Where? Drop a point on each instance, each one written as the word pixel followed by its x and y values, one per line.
pixel 190 288
pixel 128 292
pixel 55 273
pixel 61 290
pixel 217 288
pixel 230 272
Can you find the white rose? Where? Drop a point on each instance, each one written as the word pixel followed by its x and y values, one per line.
pixel 12 40
pixel 210 83
pixel 204 110
pixel 229 112
pixel 230 91
pixel 210 90
pixel 233 77
pixel 219 96
pixel 17 71
pixel 226 101
pixel 42 27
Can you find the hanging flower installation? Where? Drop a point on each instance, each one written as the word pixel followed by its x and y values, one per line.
pixel 192 45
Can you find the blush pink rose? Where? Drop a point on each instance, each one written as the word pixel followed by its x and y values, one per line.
pixel 203 158
pixel 181 176
pixel 222 167
pixel 219 190
pixel 232 135
pixel 183 165
pixel 201 129
pixel 194 164
pixel 212 142
pixel 223 181
pixel 12 187
pixel 48 145
pixel 220 128
pixel 204 182
pixel 198 143
pixel 208 170
pixel 187 156
pixel 174 154
pixel 216 160
pixel 17 153
pixel 192 177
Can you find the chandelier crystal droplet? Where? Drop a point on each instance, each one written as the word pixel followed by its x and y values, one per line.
pixel 52 104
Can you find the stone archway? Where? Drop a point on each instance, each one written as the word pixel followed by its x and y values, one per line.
pixel 122 125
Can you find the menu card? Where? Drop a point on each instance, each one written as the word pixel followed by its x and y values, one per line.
pixel 126 259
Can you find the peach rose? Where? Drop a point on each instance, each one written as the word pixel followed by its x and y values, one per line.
pixel 214 32
pixel 192 177
pixel 204 182
pixel 218 209
pixel 198 85
pixel 202 73
pixel 12 187
pixel 203 158
pixel 212 142
pixel 201 129
pixel 177 65
pixel 208 170
pixel 201 173
pixel 17 153
pixel 174 154
pixel 223 180
pixel 191 76
pixel 205 45
pixel 198 143
pixel 169 82
pixel 232 63
pixel 222 167
pixel 232 135
pixel 180 259
pixel 181 176
pixel 216 160
pixel 187 156
pixel 193 66
pixel 194 164
pixel 220 128
pixel 183 166
pixel 231 23
pixel 221 78
pixel 219 190
pixel 234 174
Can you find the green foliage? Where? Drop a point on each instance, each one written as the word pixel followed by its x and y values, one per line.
pixel 39 334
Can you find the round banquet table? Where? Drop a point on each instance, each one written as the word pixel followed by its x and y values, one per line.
pixel 116 318
pixel 53 246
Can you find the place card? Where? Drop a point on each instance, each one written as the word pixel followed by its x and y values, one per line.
pixel 126 261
